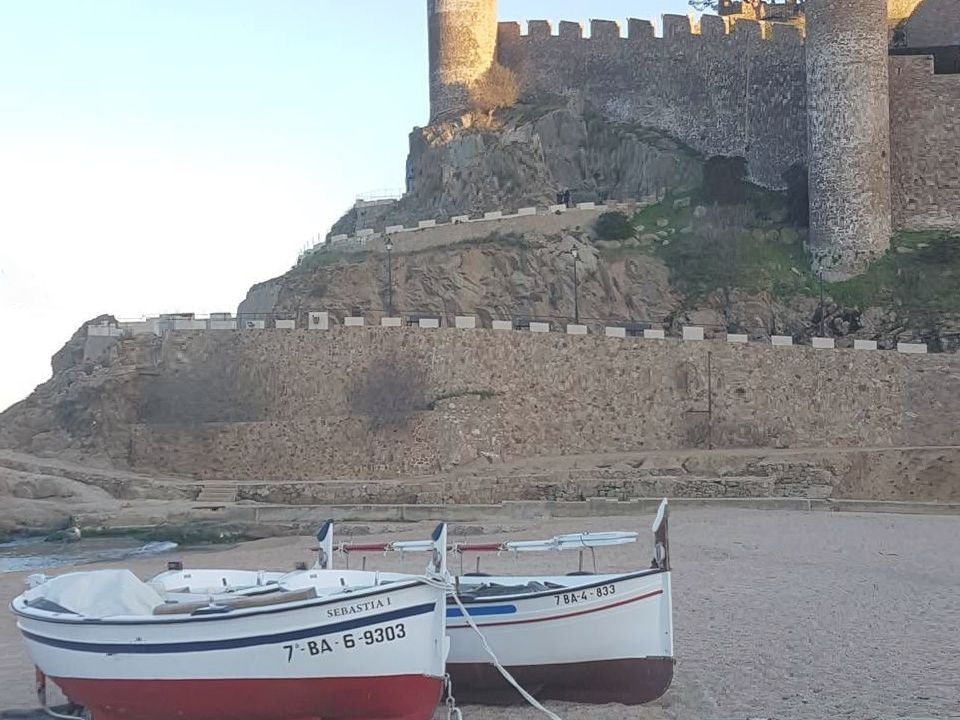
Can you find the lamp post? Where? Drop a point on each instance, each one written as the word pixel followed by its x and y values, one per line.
pixel 576 287
pixel 388 245
pixel 822 318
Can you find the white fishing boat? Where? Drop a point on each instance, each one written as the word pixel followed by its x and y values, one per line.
pixel 586 637
pixel 219 645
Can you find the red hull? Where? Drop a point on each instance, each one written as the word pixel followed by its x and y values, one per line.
pixel 400 697
pixel 629 682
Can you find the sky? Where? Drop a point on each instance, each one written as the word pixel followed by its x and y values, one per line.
pixel 165 155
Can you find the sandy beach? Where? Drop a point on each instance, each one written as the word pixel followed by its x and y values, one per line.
pixel 777 614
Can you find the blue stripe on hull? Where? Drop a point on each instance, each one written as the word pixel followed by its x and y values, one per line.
pixel 231 644
pixel 482 611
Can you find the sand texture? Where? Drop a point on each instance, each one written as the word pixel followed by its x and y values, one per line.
pixel 777 614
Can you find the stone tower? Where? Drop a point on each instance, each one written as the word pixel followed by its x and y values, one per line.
pixel 849 133
pixel 463 45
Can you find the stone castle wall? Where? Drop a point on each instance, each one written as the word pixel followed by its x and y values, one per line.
pixel 508 395
pixel 925 134
pixel 723 93
pixel 926 23
pixel 848 101
pixel 463 40
pixel 729 86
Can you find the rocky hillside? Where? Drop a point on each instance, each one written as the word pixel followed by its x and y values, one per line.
pixel 737 268
pixel 525 157
pixel 725 257
pixel 78 412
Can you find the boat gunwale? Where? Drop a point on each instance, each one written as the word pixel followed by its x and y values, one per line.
pixel 233 643
pixel 237 614
pixel 614 577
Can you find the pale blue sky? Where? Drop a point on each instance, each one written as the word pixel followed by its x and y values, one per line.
pixel 163 155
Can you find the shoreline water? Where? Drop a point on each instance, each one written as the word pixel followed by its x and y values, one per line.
pixel 38 554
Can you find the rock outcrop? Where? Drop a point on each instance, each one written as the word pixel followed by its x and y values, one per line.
pixel 73 414
pixel 526 157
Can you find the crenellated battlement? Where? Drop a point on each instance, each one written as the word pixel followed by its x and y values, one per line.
pixel 784 84
pixel 675 28
pixel 722 86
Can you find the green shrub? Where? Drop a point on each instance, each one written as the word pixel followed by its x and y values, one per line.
pixel 614 226
pixel 496 89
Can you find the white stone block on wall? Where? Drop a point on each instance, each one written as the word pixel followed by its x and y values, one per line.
pixel 222 324
pixel 145 327
pixel 527 211
pixel 466 322
pixel 427 223
pixel 353 321
pixel 586 206
pixel 286 324
pixel 185 324
pixel 912 348
pixel 617 332
pixel 493 215
pixel 104 331
pixel 339 238
pixel 781 340
pixel 576 329
pixel 254 324
pixel 737 338
pixel 539 327
pixel 557 208
pixel 502 325
pixel 393 229
pixel 824 343
pixel 458 219
pixel 318 321
pixel 654 334
pixel 692 332
pixel 429 323
pixel 390 322
pixel 366 232
pixel 864 344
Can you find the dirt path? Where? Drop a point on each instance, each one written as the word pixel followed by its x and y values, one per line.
pixel 777 614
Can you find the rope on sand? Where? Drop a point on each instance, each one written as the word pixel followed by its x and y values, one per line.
pixel 496 662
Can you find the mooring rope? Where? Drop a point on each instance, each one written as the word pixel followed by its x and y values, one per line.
pixel 486 646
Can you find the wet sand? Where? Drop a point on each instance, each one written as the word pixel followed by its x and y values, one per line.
pixel 777 614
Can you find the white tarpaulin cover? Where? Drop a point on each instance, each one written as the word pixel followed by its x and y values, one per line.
pixel 99 594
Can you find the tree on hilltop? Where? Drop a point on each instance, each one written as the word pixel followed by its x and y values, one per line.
pixel 497 88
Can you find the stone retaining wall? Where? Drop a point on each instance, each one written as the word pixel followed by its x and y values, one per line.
pixel 491 396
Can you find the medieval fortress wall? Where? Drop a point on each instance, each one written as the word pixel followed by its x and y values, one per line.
pixel 280 405
pixel 463 41
pixel 722 94
pixel 848 131
pixel 730 86
pixel 925 143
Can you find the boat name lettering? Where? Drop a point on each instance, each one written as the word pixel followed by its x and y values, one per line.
pixel 375 604
pixel 572 598
pixel 347 641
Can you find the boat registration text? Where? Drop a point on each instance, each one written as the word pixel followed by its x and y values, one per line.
pixel 571 598
pixel 347 641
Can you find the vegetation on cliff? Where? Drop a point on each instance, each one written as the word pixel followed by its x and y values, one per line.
pixel 718 252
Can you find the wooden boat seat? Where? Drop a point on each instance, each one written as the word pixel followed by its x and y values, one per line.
pixel 275 598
